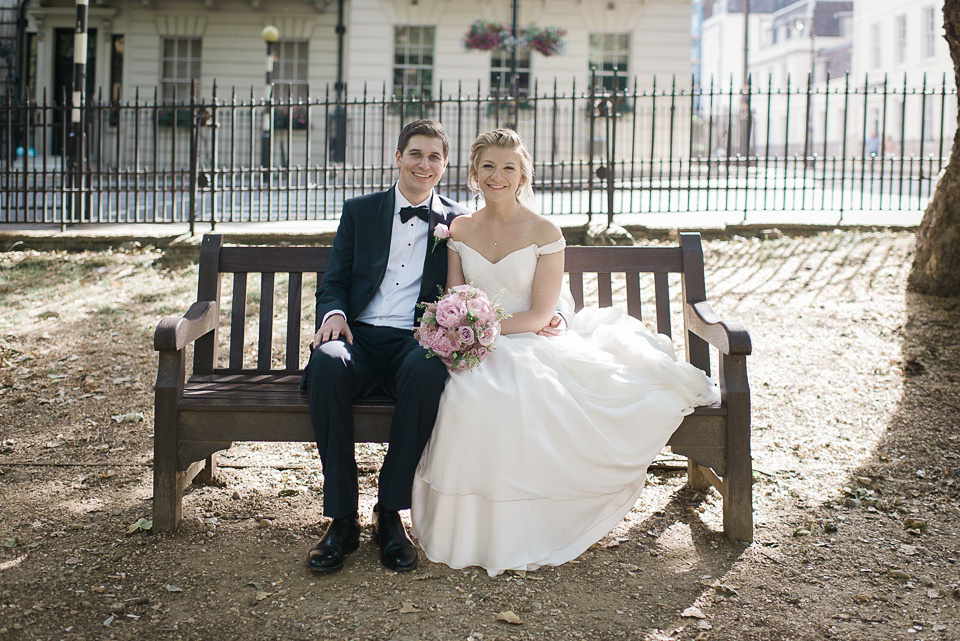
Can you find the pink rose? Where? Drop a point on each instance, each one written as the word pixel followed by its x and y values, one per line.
pixel 441 231
pixel 481 353
pixel 450 311
pixel 489 335
pixel 466 335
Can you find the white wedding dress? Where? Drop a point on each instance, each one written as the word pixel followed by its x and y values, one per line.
pixel 542 449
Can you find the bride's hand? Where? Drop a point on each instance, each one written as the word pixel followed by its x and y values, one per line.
pixel 557 326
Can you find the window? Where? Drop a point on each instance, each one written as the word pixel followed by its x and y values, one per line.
pixel 413 62
pixel 929 35
pixel 876 57
pixel 180 68
pixel 608 58
pixel 500 73
pixel 901 34
pixel 290 70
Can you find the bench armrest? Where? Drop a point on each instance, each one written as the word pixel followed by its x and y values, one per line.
pixel 730 337
pixel 176 332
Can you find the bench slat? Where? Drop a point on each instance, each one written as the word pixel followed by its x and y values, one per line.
pixel 662 293
pixel 620 259
pixel 265 345
pixel 604 289
pixel 633 295
pixel 576 290
pixel 294 292
pixel 237 319
pixel 273 259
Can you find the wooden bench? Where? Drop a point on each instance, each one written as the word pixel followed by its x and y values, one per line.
pixel 226 400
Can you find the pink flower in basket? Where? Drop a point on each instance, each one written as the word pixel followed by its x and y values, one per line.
pixel 461 328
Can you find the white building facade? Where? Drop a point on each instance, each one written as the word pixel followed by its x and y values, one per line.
pixel 163 44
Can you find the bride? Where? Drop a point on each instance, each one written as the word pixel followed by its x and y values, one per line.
pixel 542 449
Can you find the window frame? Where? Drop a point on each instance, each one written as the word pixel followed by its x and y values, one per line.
pixel 422 90
pixel 608 55
pixel 194 60
pixel 900 35
pixel 499 73
pixel 928 34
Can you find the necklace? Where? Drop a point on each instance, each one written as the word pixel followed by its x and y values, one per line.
pixel 496 241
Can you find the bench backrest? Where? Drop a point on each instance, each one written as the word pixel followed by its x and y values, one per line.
pixel 584 265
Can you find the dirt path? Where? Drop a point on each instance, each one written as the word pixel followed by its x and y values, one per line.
pixel 856 397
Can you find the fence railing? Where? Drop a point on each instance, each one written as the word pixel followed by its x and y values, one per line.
pixel 836 147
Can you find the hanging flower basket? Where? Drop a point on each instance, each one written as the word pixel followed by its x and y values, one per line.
pixel 484 36
pixel 548 41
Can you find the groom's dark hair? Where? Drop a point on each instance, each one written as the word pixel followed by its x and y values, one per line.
pixel 429 128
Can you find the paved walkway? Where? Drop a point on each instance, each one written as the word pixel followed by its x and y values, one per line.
pixel 715 223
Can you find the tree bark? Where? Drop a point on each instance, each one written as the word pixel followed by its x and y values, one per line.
pixel 936 265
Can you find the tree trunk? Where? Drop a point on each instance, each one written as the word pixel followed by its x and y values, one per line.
pixel 936 266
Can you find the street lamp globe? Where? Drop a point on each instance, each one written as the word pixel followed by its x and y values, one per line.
pixel 270 34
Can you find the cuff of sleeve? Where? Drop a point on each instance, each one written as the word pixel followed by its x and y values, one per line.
pixel 333 312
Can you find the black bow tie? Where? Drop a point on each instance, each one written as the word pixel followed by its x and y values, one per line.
pixel 421 212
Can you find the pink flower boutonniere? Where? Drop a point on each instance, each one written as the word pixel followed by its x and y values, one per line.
pixel 440 234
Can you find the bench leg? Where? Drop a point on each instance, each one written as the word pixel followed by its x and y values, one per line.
pixel 738 498
pixel 167 498
pixel 738 504
pixel 167 478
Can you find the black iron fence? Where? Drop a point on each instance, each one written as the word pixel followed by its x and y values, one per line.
pixel 834 147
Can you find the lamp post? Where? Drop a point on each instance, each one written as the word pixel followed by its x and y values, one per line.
pixel 807 26
pixel 270 35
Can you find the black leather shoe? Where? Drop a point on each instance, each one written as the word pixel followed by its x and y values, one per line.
pixel 340 539
pixel 397 551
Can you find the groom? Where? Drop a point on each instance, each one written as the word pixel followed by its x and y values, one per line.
pixel 383 263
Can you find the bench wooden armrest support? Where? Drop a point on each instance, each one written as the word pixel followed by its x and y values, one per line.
pixel 176 332
pixel 172 336
pixel 730 337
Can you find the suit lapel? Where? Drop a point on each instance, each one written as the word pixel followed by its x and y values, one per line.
pixel 435 261
pixel 383 231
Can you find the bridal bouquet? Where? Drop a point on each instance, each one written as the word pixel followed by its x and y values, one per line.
pixel 461 328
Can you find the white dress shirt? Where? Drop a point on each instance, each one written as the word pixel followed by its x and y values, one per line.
pixel 395 301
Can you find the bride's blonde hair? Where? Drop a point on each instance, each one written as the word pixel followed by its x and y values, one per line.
pixel 502 139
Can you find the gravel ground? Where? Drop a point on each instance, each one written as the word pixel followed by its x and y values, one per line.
pixel 856 439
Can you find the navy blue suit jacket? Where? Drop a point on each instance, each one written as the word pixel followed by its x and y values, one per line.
pixel 361 247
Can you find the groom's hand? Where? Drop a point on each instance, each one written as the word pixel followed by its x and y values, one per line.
pixel 557 326
pixel 333 328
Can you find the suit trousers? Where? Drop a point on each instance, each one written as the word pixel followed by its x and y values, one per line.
pixel 385 359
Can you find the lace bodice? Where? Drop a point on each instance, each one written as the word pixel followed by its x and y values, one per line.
pixel 509 281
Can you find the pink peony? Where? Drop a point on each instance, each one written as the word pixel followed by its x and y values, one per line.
pixel 450 311
pixel 481 310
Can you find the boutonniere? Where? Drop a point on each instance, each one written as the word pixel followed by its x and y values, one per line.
pixel 440 235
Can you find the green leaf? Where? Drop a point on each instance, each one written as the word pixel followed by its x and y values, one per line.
pixel 141 525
